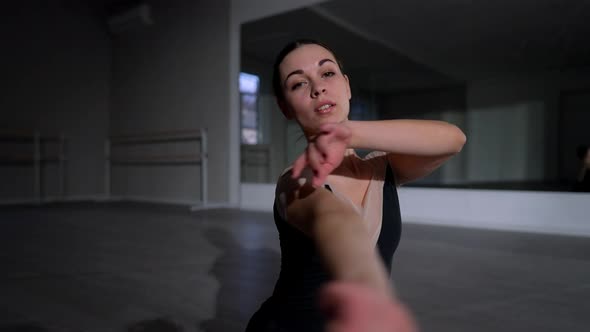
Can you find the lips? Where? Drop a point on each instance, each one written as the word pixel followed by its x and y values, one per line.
pixel 325 108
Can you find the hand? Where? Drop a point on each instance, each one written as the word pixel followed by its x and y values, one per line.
pixel 351 307
pixel 324 152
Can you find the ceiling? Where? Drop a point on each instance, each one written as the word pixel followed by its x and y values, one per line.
pixel 407 44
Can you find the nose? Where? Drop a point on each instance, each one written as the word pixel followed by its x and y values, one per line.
pixel 316 93
pixel 317 90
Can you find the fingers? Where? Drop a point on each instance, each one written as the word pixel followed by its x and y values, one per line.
pixel 354 307
pixel 331 150
pixel 324 153
pixel 339 327
pixel 299 165
pixel 313 158
pixel 320 175
pixel 338 293
pixel 332 296
pixel 316 161
pixel 337 302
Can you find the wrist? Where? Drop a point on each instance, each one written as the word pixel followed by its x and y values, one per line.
pixel 353 140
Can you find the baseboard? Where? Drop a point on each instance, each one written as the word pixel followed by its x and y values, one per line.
pixel 156 200
pixel 76 198
pixel 23 201
pixel 214 205
pixel 53 200
pixel 194 206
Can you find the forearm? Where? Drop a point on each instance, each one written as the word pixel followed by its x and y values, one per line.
pixel 413 137
pixel 344 244
pixel 340 235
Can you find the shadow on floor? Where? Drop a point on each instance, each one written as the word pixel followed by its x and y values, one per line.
pixel 155 325
pixel 25 327
pixel 246 277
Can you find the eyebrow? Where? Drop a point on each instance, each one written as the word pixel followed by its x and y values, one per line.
pixel 299 71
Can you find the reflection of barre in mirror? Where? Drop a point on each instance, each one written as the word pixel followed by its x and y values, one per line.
pixel 171 148
pixel 256 163
pixel 25 149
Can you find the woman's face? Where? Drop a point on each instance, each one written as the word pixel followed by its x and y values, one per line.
pixel 315 90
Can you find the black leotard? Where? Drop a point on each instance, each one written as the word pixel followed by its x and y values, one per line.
pixel 293 304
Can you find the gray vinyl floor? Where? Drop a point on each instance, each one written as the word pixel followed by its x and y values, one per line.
pixel 129 267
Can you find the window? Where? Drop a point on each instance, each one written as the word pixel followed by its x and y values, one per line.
pixel 249 85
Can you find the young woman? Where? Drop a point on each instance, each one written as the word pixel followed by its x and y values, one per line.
pixel 337 214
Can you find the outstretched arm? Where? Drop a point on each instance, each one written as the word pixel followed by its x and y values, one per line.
pixel 415 147
pixel 360 298
pixel 339 233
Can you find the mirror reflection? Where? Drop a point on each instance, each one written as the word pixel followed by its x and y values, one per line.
pixel 515 79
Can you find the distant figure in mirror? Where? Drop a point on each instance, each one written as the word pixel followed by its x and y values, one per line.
pixel 583 179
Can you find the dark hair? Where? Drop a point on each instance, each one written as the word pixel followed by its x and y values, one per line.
pixel 276 75
pixel 581 151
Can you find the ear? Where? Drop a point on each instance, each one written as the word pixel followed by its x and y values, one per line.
pixel 287 112
pixel 348 93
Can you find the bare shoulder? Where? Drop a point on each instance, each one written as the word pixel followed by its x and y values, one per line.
pixel 375 163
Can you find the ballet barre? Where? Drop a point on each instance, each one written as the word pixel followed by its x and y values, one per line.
pixel 256 157
pixel 38 157
pixel 199 157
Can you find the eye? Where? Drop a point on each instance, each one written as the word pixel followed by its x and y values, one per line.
pixel 329 74
pixel 297 85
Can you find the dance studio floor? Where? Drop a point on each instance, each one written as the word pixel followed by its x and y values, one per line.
pixel 130 267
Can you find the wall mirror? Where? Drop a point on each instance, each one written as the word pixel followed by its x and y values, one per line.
pixel 515 78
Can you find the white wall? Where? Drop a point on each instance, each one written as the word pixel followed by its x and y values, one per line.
pixel 179 73
pixel 187 76
pixel 182 73
pixel 256 9
pixel 174 75
pixel 537 212
pixel 55 76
